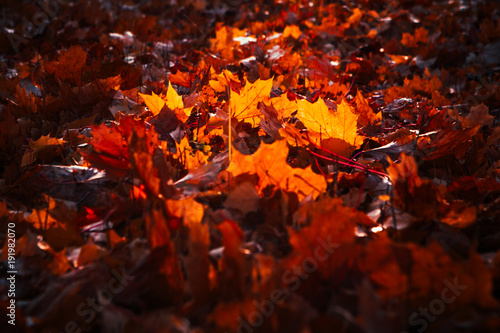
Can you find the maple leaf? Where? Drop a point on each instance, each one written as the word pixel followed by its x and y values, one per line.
pixel 69 64
pixel 224 80
pixel 449 141
pixel 43 149
pixel 379 261
pixel 233 269
pixel 181 79
pixel 335 130
pixel 365 112
pixel 109 148
pixel 197 261
pixel 157 229
pixel 156 103
pixel 224 41
pixel 243 198
pixel 244 106
pixel 187 209
pixel 269 163
pixel 173 100
pixel 478 115
pixel 141 158
pixel 342 225
pixel 189 158
pixel 283 105
pixel 415 195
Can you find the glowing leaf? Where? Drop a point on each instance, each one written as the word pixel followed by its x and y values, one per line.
pixel 283 105
pixel 191 159
pixel 153 102
pixel 292 30
pixel 187 209
pixel 269 163
pixel 330 125
pixel 181 78
pixel 157 229
pixel 224 80
pixel 244 106
pixel 173 100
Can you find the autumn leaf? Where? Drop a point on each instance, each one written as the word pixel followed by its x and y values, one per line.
pixel 155 103
pixel 110 148
pixel 142 160
pixel 413 194
pixel 292 30
pixel 173 100
pixel 365 112
pixel 283 105
pixel 187 209
pixel 335 130
pixel 224 41
pixel 191 159
pixel 269 163
pixel 243 197
pixel 44 150
pixel 181 79
pixel 157 229
pixel 478 115
pixel 69 64
pixel 224 80
pixel 244 106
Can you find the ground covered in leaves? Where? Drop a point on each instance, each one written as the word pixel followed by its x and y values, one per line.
pixel 250 166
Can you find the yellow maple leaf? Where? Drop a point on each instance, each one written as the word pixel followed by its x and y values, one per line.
pixel 156 102
pixel 335 130
pixel 173 100
pixel 244 104
pixel 269 163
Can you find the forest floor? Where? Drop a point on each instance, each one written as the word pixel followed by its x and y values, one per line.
pixel 250 166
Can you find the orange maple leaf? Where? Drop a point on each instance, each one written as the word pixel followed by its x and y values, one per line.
pixel 269 163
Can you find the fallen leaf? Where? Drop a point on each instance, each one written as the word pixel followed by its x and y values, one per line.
pixel 269 163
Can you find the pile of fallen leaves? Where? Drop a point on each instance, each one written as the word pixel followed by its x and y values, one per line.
pixel 251 166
